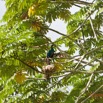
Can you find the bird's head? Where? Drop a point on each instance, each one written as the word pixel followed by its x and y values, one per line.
pixel 52 46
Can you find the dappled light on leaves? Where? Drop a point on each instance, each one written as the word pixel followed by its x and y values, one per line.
pixel 36 25
pixel 58 66
pixel 36 68
pixel 20 77
pixel 31 11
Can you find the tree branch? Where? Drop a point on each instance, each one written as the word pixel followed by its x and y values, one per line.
pixel 93 50
pixel 79 62
pixel 28 65
pixel 72 1
pixel 73 72
pixel 85 89
pixel 57 32
pixel 53 44
pixel 78 71
pixel 93 29
pixel 68 36
pixel 92 94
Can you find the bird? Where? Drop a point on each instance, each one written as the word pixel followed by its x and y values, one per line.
pixel 50 55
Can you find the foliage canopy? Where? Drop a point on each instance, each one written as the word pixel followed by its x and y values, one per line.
pixel 78 75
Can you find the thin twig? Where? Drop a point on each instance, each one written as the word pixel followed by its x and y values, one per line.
pixel 57 32
pixel 68 36
pixel 85 89
pixel 79 62
pixel 28 65
pixel 81 46
pixel 93 29
pixel 72 1
pixel 77 71
pixel 93 50
pixel 78 28
pixel 92 94
pixel 53 43
pixel 78 5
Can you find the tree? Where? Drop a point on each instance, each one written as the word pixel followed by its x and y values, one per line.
pixel 24 45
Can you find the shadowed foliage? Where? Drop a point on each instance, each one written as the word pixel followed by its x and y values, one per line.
pixel 75 75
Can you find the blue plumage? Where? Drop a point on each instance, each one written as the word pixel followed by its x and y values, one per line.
pixel 50 52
